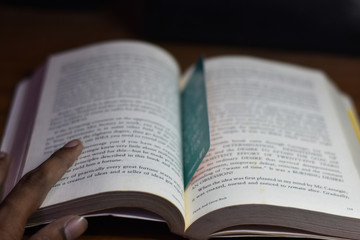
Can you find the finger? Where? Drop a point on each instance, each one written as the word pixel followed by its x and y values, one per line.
pixel 32 189
pixel 69 227
pixel 4 168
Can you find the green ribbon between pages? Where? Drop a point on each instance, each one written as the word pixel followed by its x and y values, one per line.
pixel 195 122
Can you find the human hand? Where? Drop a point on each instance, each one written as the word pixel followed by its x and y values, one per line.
pixel 30 192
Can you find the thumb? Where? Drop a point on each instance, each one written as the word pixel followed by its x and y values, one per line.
pixel 65 228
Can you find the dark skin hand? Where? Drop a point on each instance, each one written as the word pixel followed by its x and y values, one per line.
pixel 31 191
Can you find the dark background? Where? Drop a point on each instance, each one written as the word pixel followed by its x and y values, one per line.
pixel 311 25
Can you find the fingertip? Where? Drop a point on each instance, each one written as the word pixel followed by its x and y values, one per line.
pixel 65 228
pixel 75 227
pixel 72 143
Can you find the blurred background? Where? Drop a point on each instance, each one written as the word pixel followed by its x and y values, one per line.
pixel 317 25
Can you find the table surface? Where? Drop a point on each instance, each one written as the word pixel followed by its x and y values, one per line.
pixel 28 36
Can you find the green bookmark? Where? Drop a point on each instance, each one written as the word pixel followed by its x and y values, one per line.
pixel 195 122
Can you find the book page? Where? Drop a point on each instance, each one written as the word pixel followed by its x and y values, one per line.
pixel 19 125
pixel 349 118
pixel 276 139
pixel 121 99
pixel 9 139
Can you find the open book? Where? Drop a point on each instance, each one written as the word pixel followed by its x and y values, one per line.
pixel 283 157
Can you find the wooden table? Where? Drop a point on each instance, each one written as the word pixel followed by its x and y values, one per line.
pixel 28 36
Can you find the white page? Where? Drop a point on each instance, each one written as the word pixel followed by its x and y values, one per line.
pixel 121 99
pixel 9 138
pixel 275 139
